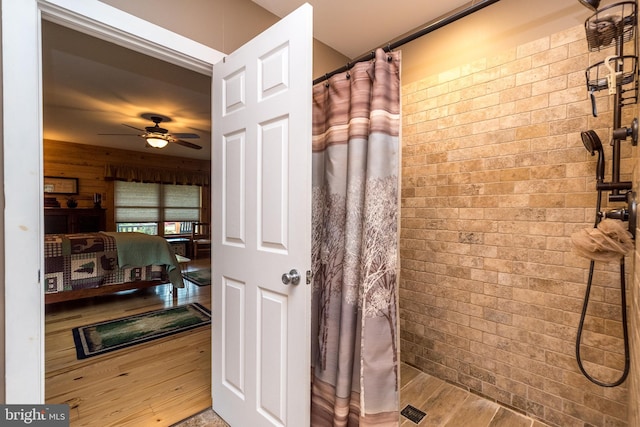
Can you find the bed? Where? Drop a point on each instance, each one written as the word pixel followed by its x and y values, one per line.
pixel 89 264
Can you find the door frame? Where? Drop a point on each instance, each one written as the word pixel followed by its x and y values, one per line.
pixel 22 144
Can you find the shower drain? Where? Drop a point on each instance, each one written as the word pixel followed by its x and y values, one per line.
pixel 413 414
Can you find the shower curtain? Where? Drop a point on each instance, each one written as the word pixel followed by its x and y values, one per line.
pixel 355 371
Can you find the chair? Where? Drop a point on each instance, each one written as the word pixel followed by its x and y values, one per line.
pixel 200 238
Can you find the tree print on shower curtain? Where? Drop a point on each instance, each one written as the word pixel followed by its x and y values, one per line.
pixel 355 246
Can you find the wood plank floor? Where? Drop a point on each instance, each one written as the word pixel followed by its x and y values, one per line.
pixel 445 405
pixel 167 381
pixel 158 383
pixel 449 406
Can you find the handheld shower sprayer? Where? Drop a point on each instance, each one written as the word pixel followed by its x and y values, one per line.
pixel 593 145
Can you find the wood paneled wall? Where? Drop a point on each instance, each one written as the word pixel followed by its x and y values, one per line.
pixel 87 163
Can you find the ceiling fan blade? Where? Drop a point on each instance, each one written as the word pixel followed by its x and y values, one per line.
pixel 120 134
pixel 185 135
pixel 187 144
pixel 207 131
pixel 132 127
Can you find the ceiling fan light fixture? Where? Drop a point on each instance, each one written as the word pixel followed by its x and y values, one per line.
pixel 156 142
pixel 591 4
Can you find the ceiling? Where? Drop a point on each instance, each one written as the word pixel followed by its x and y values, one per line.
pixel 355 27
pixel 91 87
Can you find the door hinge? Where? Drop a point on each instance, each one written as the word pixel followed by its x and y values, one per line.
pixel 309 277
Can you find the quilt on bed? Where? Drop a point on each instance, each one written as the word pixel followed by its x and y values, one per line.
pixel 90 260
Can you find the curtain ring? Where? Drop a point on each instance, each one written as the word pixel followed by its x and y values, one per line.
pixel 326 80
pixel 348 73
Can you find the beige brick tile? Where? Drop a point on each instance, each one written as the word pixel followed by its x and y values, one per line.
pixel 606 406
pixel 549 114
pixel 567 96
pixel 486 75
pixel 438 90
pixel 534 103
pixel 450 75
pixel 461 83
pixel 549 56
pixel 583 412
pixel 514 67
pixel 532 75
pixel 550 85
pixel 576 79
pixel 501 58
pixel 568 36
pixel 501 84
pixel 483 276
pixel 578 47
pixel 568 66
pixel 515 174
pixel 515 120
pixel 515 93
pixel 547 200
pixel 533 48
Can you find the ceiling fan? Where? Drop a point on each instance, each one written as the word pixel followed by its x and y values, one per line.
pixel 157 137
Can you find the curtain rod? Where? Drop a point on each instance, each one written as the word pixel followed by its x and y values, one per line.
pixel 432 27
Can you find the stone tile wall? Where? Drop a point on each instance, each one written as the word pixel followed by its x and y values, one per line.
pixel 495 180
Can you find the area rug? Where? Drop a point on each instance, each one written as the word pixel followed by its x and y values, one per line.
pixel 200 277
pixel 103 337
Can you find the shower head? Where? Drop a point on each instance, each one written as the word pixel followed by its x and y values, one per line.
pixel 592 143
pixel 591 4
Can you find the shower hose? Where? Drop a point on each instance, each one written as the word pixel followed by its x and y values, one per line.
pixel 623 307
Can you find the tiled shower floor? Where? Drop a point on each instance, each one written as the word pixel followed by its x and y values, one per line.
pixel 445 405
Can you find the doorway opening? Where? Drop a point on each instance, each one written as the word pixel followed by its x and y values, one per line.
pixel 23 153
pixel 95 98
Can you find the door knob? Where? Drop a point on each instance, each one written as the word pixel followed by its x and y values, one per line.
pixel 292 277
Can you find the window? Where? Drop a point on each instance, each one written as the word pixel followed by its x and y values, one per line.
pixel 156 208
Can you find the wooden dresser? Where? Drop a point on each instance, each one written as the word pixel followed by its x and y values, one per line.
pixel 73 220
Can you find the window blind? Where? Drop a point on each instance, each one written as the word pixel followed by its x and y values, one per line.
pixel 181 202
pixel 137 202
pixel 145 202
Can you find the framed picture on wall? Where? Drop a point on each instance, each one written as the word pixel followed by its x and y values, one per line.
pixel 60 185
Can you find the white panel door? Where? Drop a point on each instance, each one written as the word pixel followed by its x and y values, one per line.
pixel 262 227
